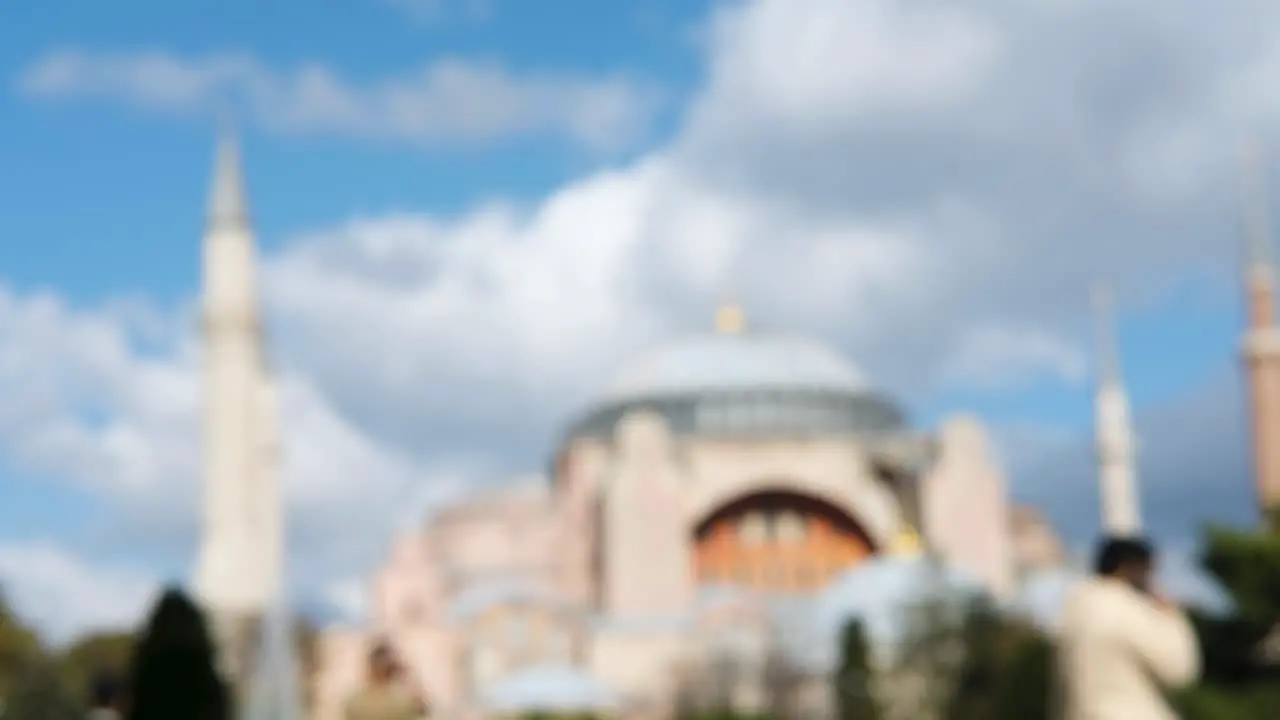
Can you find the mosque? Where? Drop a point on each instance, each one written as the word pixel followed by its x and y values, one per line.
pixel 715 512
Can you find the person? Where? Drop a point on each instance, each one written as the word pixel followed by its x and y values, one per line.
pixel 386 694
pixel 1121 646
pixel 106 698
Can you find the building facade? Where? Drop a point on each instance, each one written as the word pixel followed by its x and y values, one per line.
pixel 716 480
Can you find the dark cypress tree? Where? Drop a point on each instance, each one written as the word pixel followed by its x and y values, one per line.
pixel 173 668
pixel 854 691
pixel 1027 685
pixel 983 639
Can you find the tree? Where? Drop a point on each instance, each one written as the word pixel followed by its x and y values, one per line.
pixel 19 646
pixel 39 693
pixel 930 655
pixel 1247 565
pixel 307 641
pixel 1237 683
pixel 982 663
pixel 855 697
pixel 94 654
pixel 173 669
pixel 782 682
pixel 1026 690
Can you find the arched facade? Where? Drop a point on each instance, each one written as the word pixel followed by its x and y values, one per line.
pixel 777 541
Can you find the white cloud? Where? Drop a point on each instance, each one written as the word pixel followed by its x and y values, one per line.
pixel 95 398
pixel 84 399
pixel 447 100
pixel 65 596
pixel 825 63
pixel 999 357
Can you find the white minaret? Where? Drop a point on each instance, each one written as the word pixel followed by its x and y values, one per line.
pixel 1117 476
pixel 238 570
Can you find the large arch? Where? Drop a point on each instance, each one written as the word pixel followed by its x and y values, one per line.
pixel 777 540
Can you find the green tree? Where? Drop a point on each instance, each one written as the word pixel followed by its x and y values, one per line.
pixel 39 693
pixel 1026 690
pixel 94 654
pixel 307 643
pixel 173 669
pixel 855 696
pixel 1237 683
pixel 19 647
pixel 982 664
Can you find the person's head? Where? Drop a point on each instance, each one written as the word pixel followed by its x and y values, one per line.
pixel 1128 559
pixel 383 666
pixel 105 692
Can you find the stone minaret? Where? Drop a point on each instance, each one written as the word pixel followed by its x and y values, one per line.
pixel 238 568
pixel 1261 350
pixel 1117 475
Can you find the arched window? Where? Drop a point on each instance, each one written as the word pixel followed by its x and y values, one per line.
pixel 777 541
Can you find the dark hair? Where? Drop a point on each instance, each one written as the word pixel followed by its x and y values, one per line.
pixel 105 690
pixel 382 652
pixel 1115 553
pixel 384 658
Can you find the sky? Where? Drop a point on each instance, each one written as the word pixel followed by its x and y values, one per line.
pixel 472 213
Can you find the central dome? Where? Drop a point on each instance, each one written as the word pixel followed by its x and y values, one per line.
pixel 740 384
pixel 713 364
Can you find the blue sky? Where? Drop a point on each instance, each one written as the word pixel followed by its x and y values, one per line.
pixel 931 191
pixel 110 162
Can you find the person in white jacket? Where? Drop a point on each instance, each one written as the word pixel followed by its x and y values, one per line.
pixel 1122 648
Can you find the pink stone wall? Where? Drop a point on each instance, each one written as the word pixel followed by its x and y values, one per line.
pixel 339 672
pixel 966 509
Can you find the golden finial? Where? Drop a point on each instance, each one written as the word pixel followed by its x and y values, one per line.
pixel 907 542
pixel 730 320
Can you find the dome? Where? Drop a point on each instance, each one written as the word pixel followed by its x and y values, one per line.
pixel 880 592
pixel 729 362
pixel 744 384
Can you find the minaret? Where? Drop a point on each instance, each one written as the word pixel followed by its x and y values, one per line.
pixel 237 571
pixel 1117 475
pixel 1261 351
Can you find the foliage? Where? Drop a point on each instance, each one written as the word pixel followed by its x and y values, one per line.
pixel 39 693
pixel 855 699
pixel 726 715
pixel 1235 684
pixel 19 646
pixel 1246 564
pixel 173 670
pixel 959 662
pixel 1027 685
pixel 1216 702
pixel 978 676
pixel 306 641
pixel 1004 670
pixel 95 654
